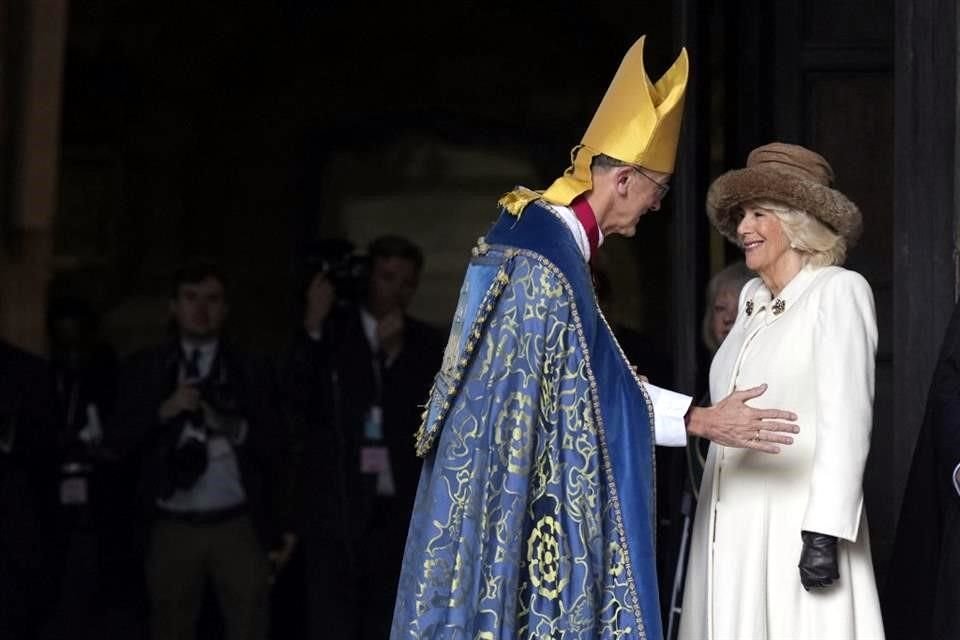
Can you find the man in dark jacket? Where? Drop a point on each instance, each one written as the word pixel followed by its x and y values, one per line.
pixel 354 381
pixel 205 421
pixel 923 585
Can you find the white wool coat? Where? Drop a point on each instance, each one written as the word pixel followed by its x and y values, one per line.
pixel 814 346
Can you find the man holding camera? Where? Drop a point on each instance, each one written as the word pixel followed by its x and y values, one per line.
pixel 356 375
pixel 205 420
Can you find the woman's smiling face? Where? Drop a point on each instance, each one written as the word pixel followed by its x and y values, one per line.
pixel 765 244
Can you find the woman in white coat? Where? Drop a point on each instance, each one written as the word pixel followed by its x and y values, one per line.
pixel 780 547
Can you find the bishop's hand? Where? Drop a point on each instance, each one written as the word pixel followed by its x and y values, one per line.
pixel 732 423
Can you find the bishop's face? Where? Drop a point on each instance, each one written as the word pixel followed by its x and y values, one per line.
pixel 638 190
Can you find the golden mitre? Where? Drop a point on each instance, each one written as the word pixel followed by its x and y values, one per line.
pixel 637 122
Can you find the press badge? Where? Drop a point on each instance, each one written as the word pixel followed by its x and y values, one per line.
pixel 376 460
pixel 373 424
pixel 73 483
pixel 73 491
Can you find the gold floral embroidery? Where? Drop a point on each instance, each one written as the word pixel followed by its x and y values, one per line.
pixel 531 401
pixel 545 558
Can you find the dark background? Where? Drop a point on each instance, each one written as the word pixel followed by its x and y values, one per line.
pixel 241 131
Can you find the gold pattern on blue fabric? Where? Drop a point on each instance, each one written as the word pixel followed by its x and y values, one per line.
pixel 519 514
pixel 545 556
pixel 455 360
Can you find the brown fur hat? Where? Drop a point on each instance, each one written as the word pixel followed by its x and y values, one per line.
pixel 788 174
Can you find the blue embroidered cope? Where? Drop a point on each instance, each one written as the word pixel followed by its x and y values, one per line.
pixel 535 511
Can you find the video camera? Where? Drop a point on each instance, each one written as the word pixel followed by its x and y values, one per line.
pixel 346 269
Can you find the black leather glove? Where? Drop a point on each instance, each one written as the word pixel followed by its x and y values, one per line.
pixel 818 560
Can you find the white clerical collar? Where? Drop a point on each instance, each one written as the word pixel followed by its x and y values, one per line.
pixel 579 233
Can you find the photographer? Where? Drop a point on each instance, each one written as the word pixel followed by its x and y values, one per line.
pixel 204 420
pixel 354 378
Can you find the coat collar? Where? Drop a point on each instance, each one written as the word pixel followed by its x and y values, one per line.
pixel 762 303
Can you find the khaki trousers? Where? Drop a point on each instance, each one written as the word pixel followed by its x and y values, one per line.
pixel 181 558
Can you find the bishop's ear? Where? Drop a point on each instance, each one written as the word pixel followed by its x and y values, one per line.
pixel 622 177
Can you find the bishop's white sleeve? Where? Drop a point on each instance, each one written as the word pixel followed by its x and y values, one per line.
pixel 669 410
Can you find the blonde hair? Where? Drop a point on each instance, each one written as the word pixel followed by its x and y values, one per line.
pixel 816 242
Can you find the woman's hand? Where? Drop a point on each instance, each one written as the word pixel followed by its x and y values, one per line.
pixel 818 560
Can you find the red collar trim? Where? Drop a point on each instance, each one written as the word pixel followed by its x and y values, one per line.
pixel 588 220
